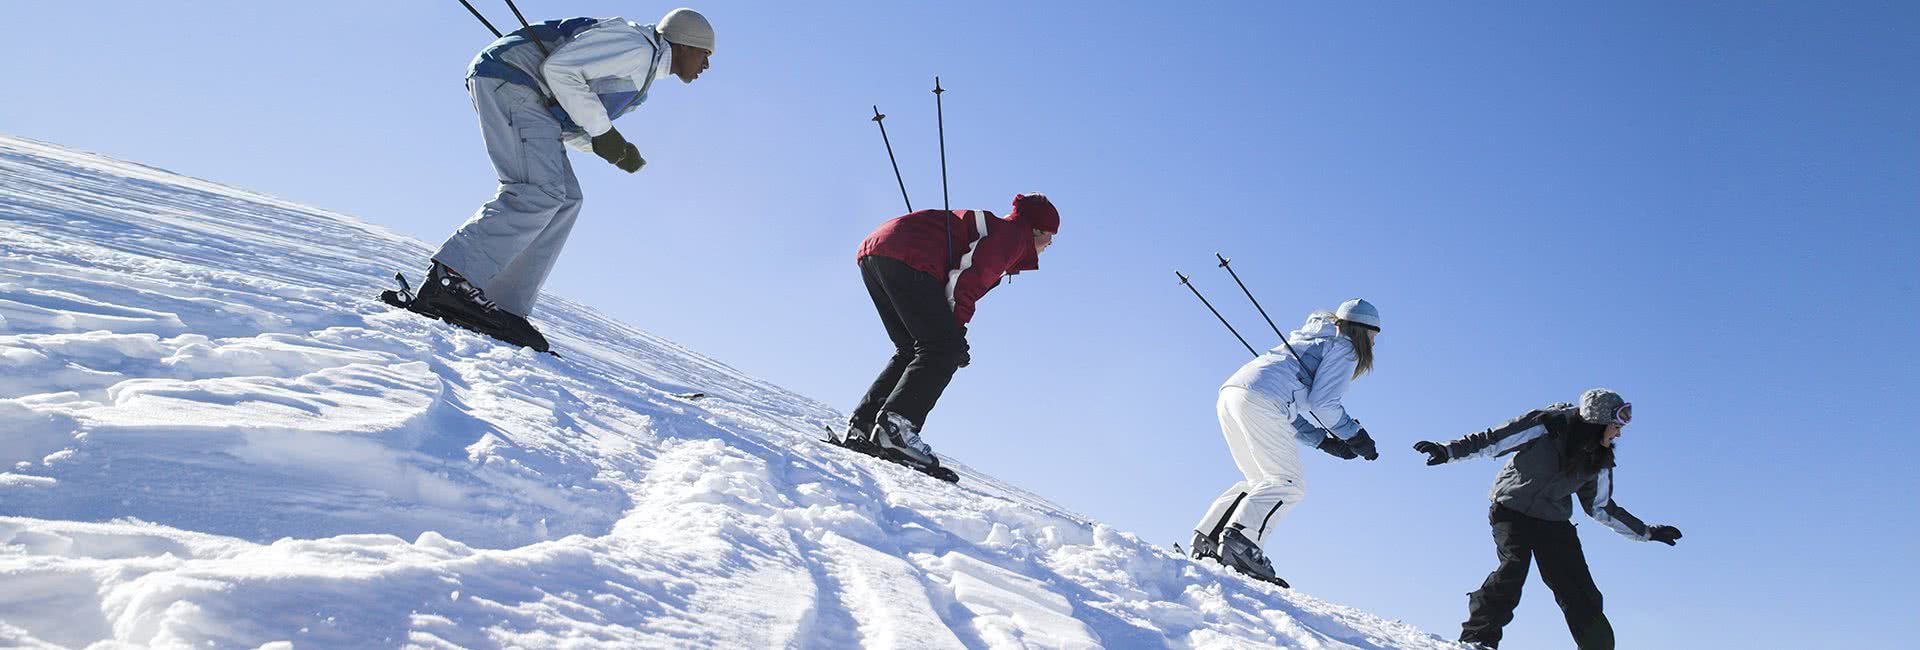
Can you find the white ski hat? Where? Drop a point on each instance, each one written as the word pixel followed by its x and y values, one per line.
pixel 1359 311
pixel 687 27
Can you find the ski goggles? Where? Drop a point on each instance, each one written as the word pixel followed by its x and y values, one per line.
pixel 1624 414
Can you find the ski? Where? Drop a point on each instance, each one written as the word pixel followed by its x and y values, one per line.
pixel 869 449
pixel 1275 581
pixel 689 396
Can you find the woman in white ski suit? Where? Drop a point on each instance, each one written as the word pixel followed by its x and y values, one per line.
pixel 1264 407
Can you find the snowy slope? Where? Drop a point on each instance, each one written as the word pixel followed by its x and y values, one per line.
pixel 212 436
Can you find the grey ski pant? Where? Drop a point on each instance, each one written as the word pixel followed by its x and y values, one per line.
pixel 1260 435
pixel 510 245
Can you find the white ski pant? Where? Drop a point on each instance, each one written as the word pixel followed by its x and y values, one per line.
pixel 1260 434
pixel 509 246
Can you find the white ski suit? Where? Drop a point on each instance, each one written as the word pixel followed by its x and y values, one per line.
pixel 529 103
pixel 1262 410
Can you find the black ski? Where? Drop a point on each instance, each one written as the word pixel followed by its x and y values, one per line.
pixel 689 396
pixel 867 448
pixel 1275 581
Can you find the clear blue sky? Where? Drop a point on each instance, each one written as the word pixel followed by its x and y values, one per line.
pixel 1709 207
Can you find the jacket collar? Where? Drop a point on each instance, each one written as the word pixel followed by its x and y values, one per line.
pixel 663 67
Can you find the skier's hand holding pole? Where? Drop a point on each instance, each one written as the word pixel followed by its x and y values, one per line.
pixel 1362 444
pixel 1336 447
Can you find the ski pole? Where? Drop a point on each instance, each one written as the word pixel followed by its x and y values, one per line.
pixel 1224 263
pixel 880 120
pixel 483 19
pixel 940 117
pixel 530 35
pixel 1216 312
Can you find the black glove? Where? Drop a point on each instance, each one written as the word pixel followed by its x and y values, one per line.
pixel 1362 444
pixel 1337 447
pixel 1436 453
pixel 1663 534
pixel 615 149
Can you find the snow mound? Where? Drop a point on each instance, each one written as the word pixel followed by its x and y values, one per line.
pixel 214 436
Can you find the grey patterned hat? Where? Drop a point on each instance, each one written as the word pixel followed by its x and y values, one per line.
pixel 1600 405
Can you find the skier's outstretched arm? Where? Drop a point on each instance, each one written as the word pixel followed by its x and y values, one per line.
pixel 1596 497
pixel 1486 444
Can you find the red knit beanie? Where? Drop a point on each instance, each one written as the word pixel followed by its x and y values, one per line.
pixel 1034 210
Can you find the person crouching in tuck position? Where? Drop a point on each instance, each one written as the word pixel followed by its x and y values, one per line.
pixel 925 271
pixel 537 91
pixel 1264 408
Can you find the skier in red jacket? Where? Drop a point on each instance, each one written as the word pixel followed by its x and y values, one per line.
pixel 925 271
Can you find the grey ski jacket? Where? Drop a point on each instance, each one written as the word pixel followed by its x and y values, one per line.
pixel 1536 481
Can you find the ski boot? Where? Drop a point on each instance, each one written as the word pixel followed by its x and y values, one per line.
pixel 451 298
pixel 1204 546
pixel 898 441
pixel 856 437
pixel 1241 553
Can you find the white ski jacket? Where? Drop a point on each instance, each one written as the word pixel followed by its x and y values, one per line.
pixel 596 69
pixel 1314 382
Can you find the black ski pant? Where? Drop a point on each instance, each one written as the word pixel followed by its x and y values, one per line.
pixel 928 344
pixel 1518 539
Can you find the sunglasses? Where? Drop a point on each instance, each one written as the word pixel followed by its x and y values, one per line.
pixel 1624 414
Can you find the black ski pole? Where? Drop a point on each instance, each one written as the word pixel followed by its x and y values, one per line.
pixel 530 35
pixel 1216 312
pixel 880 120
pixel 940 117
pixel 1276 328
pixel 483 19
pixel 1224 263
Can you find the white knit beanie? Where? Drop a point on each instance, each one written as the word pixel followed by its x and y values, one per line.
pixel 687 27
pixel 1358 311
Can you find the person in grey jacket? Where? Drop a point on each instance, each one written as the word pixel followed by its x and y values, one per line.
pixel 1264 407
pixel 553 83
pixel 1557 453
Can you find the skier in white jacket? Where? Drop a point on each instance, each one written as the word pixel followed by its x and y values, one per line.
pixel 1264 408
pixel 553 82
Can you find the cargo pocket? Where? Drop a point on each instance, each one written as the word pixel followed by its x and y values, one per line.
pixel 544 157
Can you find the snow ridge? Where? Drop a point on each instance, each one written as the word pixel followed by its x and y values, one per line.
pixel 213 436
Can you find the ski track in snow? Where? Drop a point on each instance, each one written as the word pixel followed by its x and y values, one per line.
pixel 215 436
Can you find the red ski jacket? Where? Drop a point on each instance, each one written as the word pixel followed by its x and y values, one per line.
pixel 984 247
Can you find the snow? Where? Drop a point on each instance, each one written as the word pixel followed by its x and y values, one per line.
pixel 212 435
